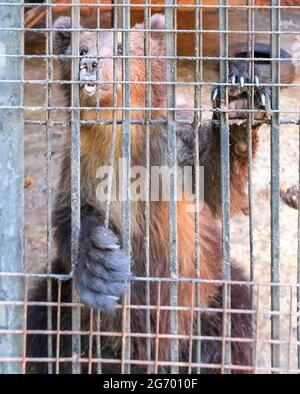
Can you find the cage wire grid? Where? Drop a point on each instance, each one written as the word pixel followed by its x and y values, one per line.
pixel 16 278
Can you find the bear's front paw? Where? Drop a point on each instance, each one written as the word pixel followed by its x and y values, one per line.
pixel 237 91
pixel 102 269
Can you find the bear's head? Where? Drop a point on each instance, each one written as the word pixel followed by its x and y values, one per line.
pixel 97 71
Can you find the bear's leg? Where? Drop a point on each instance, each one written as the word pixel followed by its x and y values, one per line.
pixel 241 328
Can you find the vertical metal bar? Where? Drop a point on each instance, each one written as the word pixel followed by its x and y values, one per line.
pixel 98 313
pixel 156 356
pixel 116 25
pixel 12 183
pixel 58 332
pixel 290 331
pixel 126 172
pixel 192 319
pixel 250 42
pixel 255 350
pixel 26 280
pixel 98 53
pixel 48 87
pixel 224 328
pixel 98 343
pixel 275 167
pixel 147 49
pixel 172 159
pixel 22 103
pixel 298 262
pixel 90 363
pixel 75 180
pixel 119 12
pixel 197 125
pixel 225 169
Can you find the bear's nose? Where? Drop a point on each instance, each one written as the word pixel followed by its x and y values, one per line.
pixel 89 63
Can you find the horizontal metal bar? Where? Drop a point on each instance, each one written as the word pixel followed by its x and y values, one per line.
pixel 159 279
pixel 65 82
pixel 70 305
pixel 238 122
pixel 163 5
pixel 148 335
pixel 132 30
pixel 152 57
pixel 145 363
pixel 205 109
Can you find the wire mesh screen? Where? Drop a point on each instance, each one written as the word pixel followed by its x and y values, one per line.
pixel 149 196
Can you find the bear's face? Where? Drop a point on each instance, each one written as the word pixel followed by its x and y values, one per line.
pixel 96 63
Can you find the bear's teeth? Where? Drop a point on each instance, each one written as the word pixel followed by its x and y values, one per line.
pixel 89 88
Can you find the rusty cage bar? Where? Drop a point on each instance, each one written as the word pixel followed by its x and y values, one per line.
pixel 202 38
pixel 11 189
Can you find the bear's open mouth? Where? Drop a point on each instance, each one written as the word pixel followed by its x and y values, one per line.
pixel 90 88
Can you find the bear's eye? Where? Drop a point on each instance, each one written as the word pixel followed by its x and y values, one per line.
pixel 120 49
pixel 83 51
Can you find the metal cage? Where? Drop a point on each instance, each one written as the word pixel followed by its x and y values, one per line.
pixel 34 119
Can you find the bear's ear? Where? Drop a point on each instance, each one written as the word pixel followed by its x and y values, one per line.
pixel 61 38
pixel 157 22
